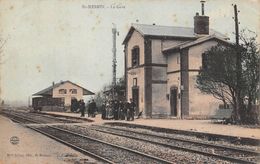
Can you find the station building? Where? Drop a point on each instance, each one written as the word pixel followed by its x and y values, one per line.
pixel 161 65
pixel 59 94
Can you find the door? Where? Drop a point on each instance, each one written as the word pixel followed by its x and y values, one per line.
pixel 135 97
pixel 173 101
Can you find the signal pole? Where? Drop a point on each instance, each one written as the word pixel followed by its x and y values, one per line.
pixel 114 31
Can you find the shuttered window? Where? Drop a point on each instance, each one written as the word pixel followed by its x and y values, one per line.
pixel 135 56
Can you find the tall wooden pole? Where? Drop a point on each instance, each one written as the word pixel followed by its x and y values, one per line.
pixel 236 24
pixel 238 66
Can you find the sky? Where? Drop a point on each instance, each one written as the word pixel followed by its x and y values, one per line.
pixel 54 40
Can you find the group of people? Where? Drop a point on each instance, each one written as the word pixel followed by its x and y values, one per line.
pixel 113 109
pixel 118 110
pixel 79 106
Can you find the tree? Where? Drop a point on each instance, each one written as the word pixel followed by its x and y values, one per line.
pixel 218 76
pixel 250 76
pixel 105 94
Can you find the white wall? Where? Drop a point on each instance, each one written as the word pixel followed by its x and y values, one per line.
pixel 157 56
pixel 159 99
pixel 159 91
pixel 173 65
pixel 200 104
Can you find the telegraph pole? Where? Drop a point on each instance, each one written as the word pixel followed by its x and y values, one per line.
pixel 236 24
pixel 114 31
pixel 238 64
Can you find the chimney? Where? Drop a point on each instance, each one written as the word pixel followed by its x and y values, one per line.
pixel 201 22
pixel 53 83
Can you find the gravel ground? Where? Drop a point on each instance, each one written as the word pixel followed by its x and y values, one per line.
pixel 114 154
pixel 193 146
pixel 152 149
pixel 224 143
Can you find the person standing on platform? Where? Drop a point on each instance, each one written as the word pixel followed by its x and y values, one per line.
pixel 116 109
pixel 103 110
pixel 126 104
pixel 121 110
pixel 93 107
pixel 88 109
pixel 82 108
pixel 132 109
pixel 127 111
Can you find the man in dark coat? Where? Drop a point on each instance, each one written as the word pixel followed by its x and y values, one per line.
pixel 132 110
pixel 103 110
pixel 82 108
pixel 72 106
pixel 93 107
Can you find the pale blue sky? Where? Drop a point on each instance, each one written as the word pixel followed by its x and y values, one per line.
pixel 53 40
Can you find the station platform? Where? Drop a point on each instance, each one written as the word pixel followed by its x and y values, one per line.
pixel 204 126
pixel 21 145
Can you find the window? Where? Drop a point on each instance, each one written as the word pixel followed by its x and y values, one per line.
pixel 73 91
pixel 135 56
pixel 204 61
pixel 134 81
pixel 62 91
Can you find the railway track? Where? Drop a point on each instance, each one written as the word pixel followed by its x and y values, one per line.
pixel 101 150
pixel 38 117
pixel 231 154
pixel 106 150
pixel 63 120
pixel 18 119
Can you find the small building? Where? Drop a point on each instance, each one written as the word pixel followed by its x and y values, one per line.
pixel 59 94
pixel 161 65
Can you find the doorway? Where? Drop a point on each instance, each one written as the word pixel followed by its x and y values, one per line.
pixel 173 101
pixel 135 97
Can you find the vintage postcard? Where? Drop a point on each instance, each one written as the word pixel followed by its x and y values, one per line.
pixel 129 81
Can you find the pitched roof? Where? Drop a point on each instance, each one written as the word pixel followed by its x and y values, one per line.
pixel 167 31
pixel 195 42
pixel 48 91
